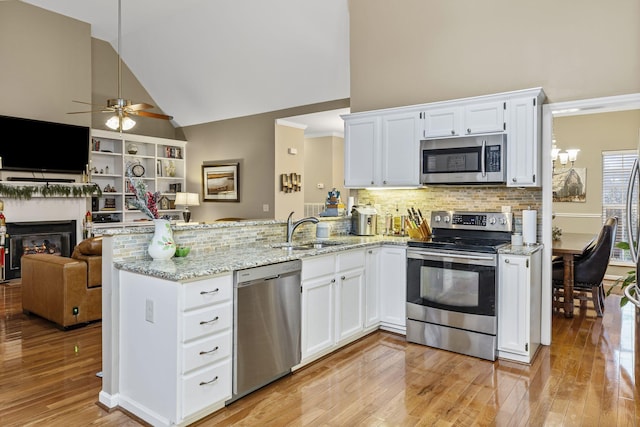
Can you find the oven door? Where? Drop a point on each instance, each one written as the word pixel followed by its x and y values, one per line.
pixel 463 282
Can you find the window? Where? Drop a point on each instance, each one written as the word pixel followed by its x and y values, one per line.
pixel 616 167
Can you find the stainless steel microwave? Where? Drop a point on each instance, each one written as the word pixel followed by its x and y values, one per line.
pixel 464 160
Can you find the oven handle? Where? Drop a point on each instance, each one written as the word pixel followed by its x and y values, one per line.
pixel 440 255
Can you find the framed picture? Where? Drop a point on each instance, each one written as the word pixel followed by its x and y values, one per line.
pixel 221 182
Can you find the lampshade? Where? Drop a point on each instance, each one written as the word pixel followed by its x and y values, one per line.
pixel 564 157
pixel 114 123
pixel 554 152
pixel 187 199
pixel 573 154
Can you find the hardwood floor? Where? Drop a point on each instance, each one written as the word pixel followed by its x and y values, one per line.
pixel 590 376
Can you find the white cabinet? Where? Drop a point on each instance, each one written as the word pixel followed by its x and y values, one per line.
pixel 464 119
pixel 519 302
pixel 524 165
pixel 393 288
pixel 372 288
pixel 401 149
pixel 332 302
pixel 160 161
pixel 382 149
pixel 175 351
pixel 361 151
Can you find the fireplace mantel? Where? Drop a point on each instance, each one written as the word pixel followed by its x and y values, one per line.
pixel 40 208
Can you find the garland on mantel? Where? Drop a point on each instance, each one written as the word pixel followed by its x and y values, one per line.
pixel 49 190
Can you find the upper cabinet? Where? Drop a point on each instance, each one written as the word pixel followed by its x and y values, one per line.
pixel 382 150
pixel 159 162
pixel 462 120
pixel 524 148
pixel 382 147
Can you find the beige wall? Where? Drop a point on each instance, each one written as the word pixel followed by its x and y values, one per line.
pixel 252 139
pixel 324 164
pixel 46 63
pixel 49 60
pixel 287 138
pixel 592 134
pixel 413 51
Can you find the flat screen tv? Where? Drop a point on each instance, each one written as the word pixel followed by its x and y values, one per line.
pixel 37 146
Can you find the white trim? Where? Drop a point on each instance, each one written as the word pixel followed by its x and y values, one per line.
pixel 614 152
pixel 282 122
pixel 323 134
pixel 577 215
pixel 596 105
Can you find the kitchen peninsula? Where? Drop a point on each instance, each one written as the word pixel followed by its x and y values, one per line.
pixel 166 363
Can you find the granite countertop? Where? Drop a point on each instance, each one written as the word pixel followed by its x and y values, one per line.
pixel 198 266
pixel 520 250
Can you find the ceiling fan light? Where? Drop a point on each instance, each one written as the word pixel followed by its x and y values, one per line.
pixel 128 123
pixel 114 123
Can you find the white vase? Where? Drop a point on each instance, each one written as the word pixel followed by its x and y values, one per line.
pixel 162 245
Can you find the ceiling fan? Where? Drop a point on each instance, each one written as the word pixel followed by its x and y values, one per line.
pixel 120 107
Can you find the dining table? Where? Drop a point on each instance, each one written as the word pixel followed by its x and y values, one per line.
pixel 568 246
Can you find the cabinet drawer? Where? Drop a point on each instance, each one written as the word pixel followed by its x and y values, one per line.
pixel 206 387
pixel 351 259
pixel 208 320
pixel 205 351
pixel 208 291
pixel 318 266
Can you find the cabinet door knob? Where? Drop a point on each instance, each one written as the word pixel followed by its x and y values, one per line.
pixel 507 261
pixel 513 179
pixel 453 132
pixel 333 280
pixel 468 130
pixel 342 278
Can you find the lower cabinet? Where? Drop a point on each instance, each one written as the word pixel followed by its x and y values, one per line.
pixel 175 347
pixel 519 305
pixel 393 288
pixel 333 298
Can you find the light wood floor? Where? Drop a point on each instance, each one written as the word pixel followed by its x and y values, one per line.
pixel 590 376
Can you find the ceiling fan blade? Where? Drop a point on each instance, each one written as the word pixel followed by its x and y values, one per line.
pixel 89 111
pixel 87 103
pixel 154 115
pixel 140 106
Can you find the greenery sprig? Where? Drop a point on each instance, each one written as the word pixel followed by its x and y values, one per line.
pixel 49 190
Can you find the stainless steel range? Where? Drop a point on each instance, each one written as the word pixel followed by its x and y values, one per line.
pixel 452 282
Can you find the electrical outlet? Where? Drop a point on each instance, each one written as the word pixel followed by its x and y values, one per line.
pixel 148 311
pixel 265 208
pixel 320 185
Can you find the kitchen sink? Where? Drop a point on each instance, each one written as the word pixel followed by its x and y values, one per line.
pixel 316 244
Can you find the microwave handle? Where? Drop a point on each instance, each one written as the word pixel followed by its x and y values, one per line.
pixel 482 158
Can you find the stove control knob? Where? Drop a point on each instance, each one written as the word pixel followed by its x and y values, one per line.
pixel 447 219
pixel 436 218
pixel 503 221
pixel 492 220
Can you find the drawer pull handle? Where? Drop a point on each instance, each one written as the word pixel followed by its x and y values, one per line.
pixel 215 291
pixel 209 352
pixel 209 382
pixel 208 322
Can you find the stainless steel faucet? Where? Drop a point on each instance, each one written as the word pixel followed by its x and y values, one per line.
pixel 291 226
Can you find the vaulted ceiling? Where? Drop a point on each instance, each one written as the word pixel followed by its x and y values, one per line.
pixel 209 60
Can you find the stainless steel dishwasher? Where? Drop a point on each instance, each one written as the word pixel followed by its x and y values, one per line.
pixel 267 318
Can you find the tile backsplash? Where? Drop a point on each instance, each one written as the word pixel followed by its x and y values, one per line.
pixel 468 198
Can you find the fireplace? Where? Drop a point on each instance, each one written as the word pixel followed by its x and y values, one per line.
pixel 50 237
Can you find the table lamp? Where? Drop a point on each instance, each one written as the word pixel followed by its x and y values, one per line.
pixel 186 200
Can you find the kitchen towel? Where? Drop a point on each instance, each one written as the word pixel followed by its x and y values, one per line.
pixel 529 226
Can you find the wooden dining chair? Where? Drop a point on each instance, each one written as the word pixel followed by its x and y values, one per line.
pixel 589 269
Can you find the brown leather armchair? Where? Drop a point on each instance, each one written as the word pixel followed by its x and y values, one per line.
pixel 66 291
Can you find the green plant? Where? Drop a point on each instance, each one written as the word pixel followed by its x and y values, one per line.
pixel 624 281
